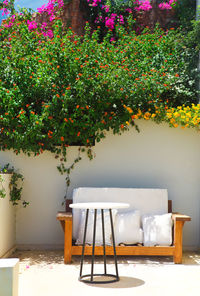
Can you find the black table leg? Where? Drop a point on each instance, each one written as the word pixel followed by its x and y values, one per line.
pixel 84 238
pixel 91 276
pixel 93 246
pixel 113 239
pixel 104 243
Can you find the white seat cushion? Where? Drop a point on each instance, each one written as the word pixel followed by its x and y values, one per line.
pixel 157 230
pixel 127 228
pixel 90 228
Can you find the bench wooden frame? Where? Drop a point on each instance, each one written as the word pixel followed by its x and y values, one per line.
pixel 174 250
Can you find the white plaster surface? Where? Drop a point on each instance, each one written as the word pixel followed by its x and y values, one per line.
pixel 9 273
pixel 157 157
pixel 7 219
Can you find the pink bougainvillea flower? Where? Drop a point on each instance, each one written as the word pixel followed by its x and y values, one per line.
pixel 144 5
pixel 52 17
pixel 164 5
pixel 129 10
pixel 95 3
pixel 172 2
pixel 49 33
pixel 121 19
pixel 106 8
pixel 31 25
pixel 110 23
pixel 43 26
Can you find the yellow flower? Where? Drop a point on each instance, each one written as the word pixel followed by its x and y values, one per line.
pixel 188 114
pixel 153 115
pixel 169 115
pixel 176 114
pixel 147 115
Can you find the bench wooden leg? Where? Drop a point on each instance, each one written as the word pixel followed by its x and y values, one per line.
pixel 68 242
pixel 178 230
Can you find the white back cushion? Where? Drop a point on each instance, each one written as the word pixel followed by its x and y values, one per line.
pixel 147 201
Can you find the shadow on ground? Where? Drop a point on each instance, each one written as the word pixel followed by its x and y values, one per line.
pixel 125 282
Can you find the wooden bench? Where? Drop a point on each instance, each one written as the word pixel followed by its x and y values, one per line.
pixel 174 250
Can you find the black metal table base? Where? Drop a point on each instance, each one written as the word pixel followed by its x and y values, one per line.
pixel 115 278
pixel 92 275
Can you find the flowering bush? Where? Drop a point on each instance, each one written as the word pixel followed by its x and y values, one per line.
pixel 59 89
pixel 68 89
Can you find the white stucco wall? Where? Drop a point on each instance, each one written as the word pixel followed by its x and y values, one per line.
pixel 7 219
pixel 157 157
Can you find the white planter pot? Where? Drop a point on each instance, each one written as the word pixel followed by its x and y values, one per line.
pixel 7 218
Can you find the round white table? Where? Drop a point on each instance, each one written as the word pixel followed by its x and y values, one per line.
pixel 98 206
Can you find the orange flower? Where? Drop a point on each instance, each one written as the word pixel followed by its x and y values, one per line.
pixel 57 95
pixel 6 113
pixel 65 119
pixel 78 134
pixel 68 87
pixel 50 117
pixel 62 139
pixel 77 106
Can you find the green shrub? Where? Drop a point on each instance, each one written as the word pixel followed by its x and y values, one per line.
pixel 70 89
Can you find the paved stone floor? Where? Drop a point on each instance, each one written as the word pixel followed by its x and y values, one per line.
pixel 42 273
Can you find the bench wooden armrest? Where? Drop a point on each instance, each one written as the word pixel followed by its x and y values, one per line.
pixel 65 219
pixel 61 216
pixel 179 220
pixel 180 217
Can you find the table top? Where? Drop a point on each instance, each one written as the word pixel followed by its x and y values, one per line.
pixel 99 205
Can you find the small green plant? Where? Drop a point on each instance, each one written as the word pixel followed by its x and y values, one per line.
pixel 15 185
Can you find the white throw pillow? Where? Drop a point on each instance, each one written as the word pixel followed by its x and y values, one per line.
pixel 127 228
pixel 90 228
pixel 157 230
